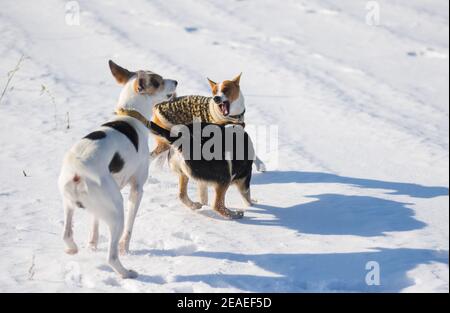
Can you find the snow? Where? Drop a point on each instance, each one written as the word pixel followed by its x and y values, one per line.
pixel 362 115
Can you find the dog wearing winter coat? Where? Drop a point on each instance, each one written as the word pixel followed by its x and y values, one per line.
pixel 226 106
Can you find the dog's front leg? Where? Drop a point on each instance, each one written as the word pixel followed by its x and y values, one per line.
pixel 134 201
pixel 219 204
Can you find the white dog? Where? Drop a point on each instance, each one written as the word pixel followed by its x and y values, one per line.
pixel 102 163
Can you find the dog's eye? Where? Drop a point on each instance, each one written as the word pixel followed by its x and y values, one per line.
pixel 154 82
pixel 141 84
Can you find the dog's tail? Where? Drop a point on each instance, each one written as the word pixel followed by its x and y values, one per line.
pixel 76 178
pixel 162 132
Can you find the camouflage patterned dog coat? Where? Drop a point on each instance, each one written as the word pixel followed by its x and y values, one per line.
pixel 187 109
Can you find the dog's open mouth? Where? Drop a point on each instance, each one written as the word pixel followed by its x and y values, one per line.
pixel 225 108
pixel 171 96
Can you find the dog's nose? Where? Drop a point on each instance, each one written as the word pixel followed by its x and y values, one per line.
pixel 175 82
pixel 217 99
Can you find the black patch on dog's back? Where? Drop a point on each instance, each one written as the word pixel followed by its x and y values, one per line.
pixel 116 164
pixel 127 130
pixel 97 135
pixel 218 170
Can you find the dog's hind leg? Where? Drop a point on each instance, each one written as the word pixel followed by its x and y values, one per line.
pixel 203 193
pixel 134 201
pixel 219 204
pixel 243 186
pixel 183 195
pixel 71 247
pixel 109 208
pixel 260 166
pixel 93 240
pixel 116 228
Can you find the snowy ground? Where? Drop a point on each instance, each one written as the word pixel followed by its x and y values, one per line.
pixel 363 143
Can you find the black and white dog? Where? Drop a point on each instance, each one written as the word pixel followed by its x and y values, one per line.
pixel 115 155
pixel 215 155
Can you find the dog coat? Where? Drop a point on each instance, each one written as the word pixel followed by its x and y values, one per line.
pixel 187 109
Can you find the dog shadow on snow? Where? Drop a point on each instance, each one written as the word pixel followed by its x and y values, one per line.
pixel 320 272
pixel 329 214
pixel 285 177
pixel 337 214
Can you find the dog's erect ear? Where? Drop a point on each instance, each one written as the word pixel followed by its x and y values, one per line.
pixel 237 79
pixel 121 74
pixel 211 83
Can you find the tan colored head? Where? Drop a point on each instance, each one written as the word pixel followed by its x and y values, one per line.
pixel 227 95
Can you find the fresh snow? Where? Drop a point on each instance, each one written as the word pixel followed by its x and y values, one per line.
pixel 362 114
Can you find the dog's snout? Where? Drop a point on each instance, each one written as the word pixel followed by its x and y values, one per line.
pixel 217 99
pixel 173 82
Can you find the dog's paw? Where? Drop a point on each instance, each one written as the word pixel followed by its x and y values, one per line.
pixel 92 245
pixel 196 206
pixel 231 215
pixel 72 250
pixel 190 204
pixel 261 168
pixel 130 274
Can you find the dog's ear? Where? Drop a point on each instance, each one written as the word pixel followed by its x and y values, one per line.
pixel 121 74
pixel 237 79
pixel 212 84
